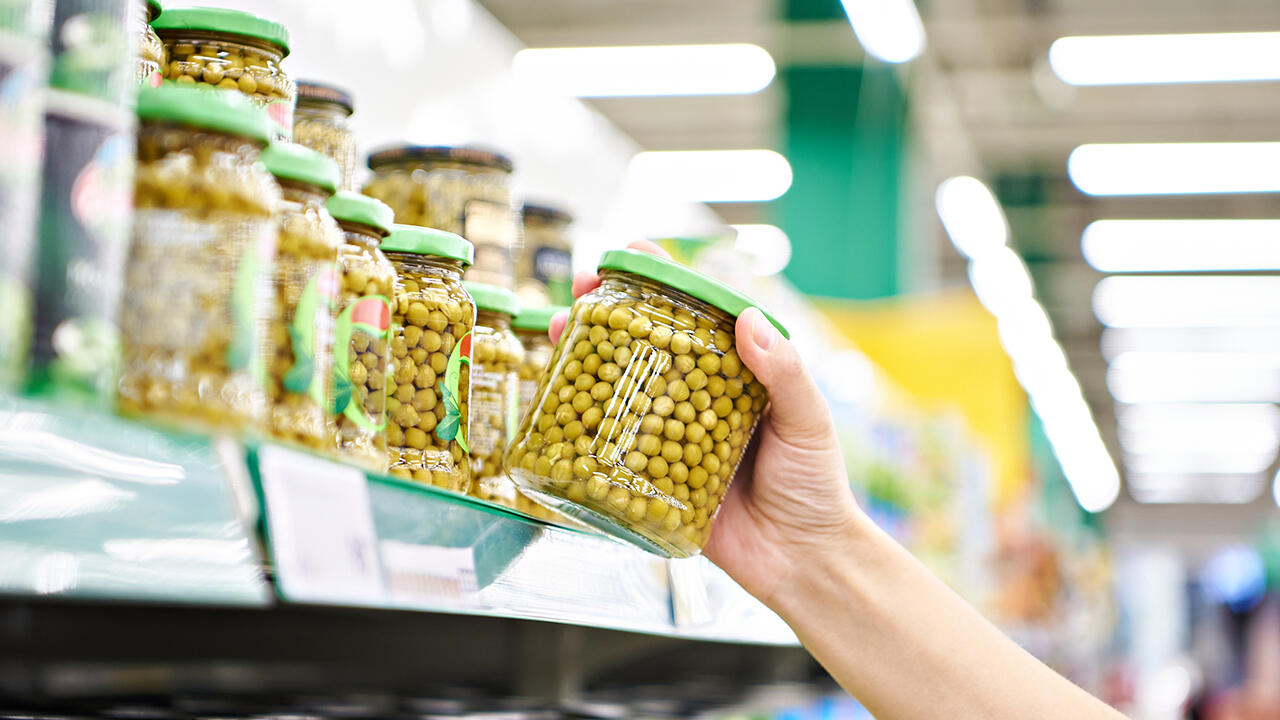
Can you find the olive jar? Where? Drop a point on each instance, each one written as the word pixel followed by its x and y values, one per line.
pixel 194 314
pixel 429 394
pixel 322 122
pixel 362 342
pixel 304 290
pixel 496 356
pixel 462 190
pixel 231 50
pixel 639 423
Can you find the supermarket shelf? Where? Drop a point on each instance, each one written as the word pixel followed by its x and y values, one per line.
pixel 95 507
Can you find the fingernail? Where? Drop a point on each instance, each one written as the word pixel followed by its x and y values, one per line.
pixel 762 331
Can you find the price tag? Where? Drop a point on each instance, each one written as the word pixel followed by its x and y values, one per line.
pixel 430 575
pixel 690 602
pixel 322 536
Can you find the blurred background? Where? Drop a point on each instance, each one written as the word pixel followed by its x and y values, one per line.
pixel 1030 248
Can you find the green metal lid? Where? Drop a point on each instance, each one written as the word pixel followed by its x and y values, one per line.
pixel 429 241
pixel 230 22
pixel 227 112
pixel 686 280
pixel 493 298
pixel 290 161
pixel 538 318
pixel 347 206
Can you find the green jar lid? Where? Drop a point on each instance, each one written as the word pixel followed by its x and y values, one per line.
pixel 230 22
pixel 347 206
pixel 227 112
pixel 429 241
pixel 686 280
pixel 290 161
pixel 493 298
pixel 538 318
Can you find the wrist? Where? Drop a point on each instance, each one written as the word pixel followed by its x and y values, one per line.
pixel 826 571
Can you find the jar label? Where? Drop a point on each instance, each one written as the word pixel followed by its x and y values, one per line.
pixel 553 268
pixel 451 427
pixel 281 114
pixel 371 316
pixel 490 226
pixel 252 291
pixel 307 331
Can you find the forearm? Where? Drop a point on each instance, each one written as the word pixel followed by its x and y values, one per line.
pixel 909 648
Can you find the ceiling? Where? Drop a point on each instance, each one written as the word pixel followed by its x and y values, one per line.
pixel 984 103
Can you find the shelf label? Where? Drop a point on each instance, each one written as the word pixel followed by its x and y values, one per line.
pixel 323 541
pixel 430 575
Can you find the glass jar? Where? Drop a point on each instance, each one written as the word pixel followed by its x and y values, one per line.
pixel 544 274
pixel 531 327
pixel 429 395
pixel 461 190
pixel 496 354
pixel 92 48
pixel 152 58
pixel 322 122
pixel 362 342
pixel 639 423
pixel 197 287
pixel 305 287
pixel 232 50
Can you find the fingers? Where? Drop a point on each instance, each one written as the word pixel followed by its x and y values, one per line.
pixel 649 247
pixel 798 412
pixel 556 328
pixel 585 282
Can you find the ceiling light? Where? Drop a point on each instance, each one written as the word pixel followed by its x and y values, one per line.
pixel 1188 301
pixel 646 70
pixel 889 30
pixel 712 175
pixel 1142 377
pixel 1179 339
pixel 1001 282
pixel 1201 436
pixel 1186 58
pixel 1182 245
pixel 1158 417
pixel 1191 488
pixel 767 245
pixel 1175 168
pixel 1201 463
pixel 971 216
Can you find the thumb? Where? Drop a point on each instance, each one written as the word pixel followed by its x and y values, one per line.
pixel 797 411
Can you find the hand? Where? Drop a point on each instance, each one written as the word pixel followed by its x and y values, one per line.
pixel 790 501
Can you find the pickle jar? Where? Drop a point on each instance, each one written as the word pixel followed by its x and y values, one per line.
pixel 461 190
pixel 429 394
pixel 640 421
pixel 231 50
pixel 496 355
pixel 194 316
pixel 362 342
pixel 531 327
pixel 544 274
pixel 152 59
pixel 322 123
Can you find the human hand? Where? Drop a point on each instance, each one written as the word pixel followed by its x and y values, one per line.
pixel 790 502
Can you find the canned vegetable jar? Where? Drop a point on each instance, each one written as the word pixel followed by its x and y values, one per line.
pixel 93 48
pixel 232 50
pixel 430 389
pixel 362 342
pixel 531 327
pixel 496 355
pixel 461 190
pixel 306 289
pixel 322 122
pixel 152 59
pixel 639 422
pixel 197 297
pixel 544 274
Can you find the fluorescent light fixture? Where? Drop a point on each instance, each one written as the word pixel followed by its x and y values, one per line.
pixel 1144 377
pixel 1201 463
pixel 1178 339
pixel 971 216
pixel 1185 58
pixel 1179 301
pixel 1159 417
pixel 712 175
pixel 889 30
pixel 647 70
pixel 767 245
pixel 1175 168
pixel 1128 246
pixel 1207 435
pixel 1191 488
pixel 1001 281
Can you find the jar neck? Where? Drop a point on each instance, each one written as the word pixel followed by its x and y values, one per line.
pixel 493 319
pixel 360 235
pixel 269 51
pixel 332 112
pixel 411 164
pixel 162 138
pixel 619 280
pixel 303 193
pixel 427 264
